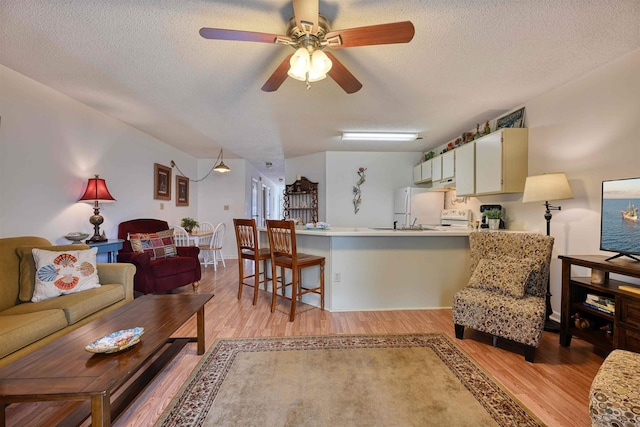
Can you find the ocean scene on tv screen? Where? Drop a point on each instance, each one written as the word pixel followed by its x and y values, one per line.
pixel 620 225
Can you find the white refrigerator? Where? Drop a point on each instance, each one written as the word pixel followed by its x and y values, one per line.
pixel 414 205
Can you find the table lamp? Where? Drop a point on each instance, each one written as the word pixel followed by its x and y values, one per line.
pixel 96 192
pixel 543 188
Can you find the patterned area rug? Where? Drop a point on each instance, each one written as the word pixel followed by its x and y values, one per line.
pixel 346 380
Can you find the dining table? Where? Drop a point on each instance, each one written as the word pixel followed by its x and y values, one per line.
pixel 195 236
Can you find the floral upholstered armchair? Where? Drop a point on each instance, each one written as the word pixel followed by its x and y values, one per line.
pixel 506 294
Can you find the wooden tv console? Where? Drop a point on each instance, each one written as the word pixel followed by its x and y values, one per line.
pixel 625 321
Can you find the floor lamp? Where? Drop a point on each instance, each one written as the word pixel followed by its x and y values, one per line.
pixel 543 188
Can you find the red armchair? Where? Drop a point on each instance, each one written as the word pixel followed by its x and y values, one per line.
pixel 163 274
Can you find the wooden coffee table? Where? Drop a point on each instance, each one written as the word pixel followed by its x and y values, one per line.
pixel 64 370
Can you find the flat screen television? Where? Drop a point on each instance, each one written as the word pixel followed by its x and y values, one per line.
pixel 619 227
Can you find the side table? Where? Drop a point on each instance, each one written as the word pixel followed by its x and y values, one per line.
pixel 110 247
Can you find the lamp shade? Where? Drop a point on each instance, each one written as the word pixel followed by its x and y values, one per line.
pixel 550 186
pixel 96 191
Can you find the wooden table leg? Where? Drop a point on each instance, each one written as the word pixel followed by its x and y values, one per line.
pixel 101 410
pixel 3 414
pixel 200 327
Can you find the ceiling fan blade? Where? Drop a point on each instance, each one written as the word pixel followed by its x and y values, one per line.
pixel 306 13
pixel 396 32
pixel 342 76
pixel 278 76
pixel 238 35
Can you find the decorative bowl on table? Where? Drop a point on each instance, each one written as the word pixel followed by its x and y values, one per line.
pixel 116 341
pixel 76 237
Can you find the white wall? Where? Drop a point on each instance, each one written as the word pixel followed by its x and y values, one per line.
pixel 51 144
pixel 385 173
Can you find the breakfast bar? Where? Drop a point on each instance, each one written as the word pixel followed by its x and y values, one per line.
pixel 373 269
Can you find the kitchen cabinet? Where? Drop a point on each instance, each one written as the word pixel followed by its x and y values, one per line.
pixel 465 164
pixel 422 172
pixel 436 169
pixel 301 201
pixel 501 164
pixel 448 164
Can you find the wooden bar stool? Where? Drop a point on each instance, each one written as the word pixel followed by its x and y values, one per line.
pixel 248 248
pixel 284 254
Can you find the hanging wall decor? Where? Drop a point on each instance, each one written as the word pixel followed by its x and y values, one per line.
pixel 161 182
pixel 357 192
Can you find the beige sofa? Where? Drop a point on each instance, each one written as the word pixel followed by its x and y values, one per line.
pixel 26 326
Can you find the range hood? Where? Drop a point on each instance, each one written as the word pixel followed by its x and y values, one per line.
pixel 443 185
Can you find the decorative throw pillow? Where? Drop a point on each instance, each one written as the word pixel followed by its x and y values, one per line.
pixel 28 266
pixel 59 273
pixel 507 277
pixel 158 245
pixel 536 284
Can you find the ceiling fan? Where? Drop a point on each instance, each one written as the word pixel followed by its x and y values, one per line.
pixel 309 33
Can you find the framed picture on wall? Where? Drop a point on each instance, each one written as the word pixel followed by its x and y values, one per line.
pixel 511 120
pixel 161 182
pixel 182 191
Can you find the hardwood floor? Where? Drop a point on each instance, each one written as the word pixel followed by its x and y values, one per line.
pixel 555 387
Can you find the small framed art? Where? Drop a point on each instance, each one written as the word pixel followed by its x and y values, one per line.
pixel 514 119
pixel 182 191
pixel 161 182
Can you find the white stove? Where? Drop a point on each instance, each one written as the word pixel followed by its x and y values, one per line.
pixel 455 217
pixel 451 219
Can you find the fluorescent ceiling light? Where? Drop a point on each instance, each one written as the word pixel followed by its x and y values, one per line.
pixel 379 136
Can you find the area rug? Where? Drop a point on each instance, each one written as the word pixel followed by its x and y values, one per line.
pixel 342 380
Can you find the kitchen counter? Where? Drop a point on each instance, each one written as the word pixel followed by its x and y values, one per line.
pixel 368 269
pixel 379 232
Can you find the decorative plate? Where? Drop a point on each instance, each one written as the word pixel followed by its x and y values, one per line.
pixel 116 341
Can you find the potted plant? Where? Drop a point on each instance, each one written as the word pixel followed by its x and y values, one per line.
pixel 189 224
pixel 493 217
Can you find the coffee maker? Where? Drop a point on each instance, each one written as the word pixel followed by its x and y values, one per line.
pixel 485 223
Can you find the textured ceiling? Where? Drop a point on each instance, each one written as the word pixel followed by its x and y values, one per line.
pixel 144 63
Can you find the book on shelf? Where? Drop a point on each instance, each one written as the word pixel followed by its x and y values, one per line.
pixel 599 307
pixel 601 299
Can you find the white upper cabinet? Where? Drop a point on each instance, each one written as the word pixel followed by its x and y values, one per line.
pixel 436 169
pixel 422 172
pixel 465 169
pixel 425 168
pixel 448 164
pixel 501 161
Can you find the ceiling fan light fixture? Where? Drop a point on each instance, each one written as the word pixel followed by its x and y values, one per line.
pixel 300 63
pixel 320 66
pixel 379 136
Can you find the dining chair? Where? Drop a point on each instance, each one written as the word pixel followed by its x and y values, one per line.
pixel 204 233
pixel 249 249
pixel 180 236
pixel 214 249
pixel 284 254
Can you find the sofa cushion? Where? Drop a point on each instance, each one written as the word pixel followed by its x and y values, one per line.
pixel 508 277
pixel 75 306
pixel 158 245
pixel 28 266
pixel 61 273
pixel 20 330
pixel 173 266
